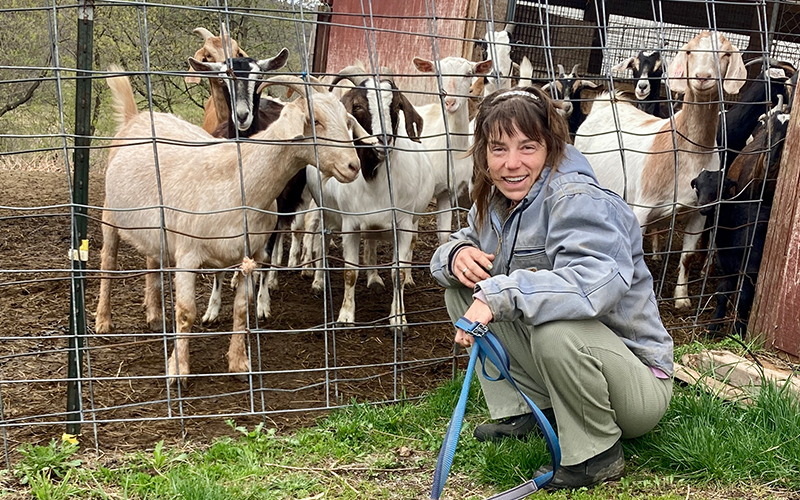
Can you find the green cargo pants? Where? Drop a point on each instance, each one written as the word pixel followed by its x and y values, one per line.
pixel 598 389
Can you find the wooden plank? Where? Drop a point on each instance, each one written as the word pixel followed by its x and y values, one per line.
pixel 737 372
pixel 774 315
pixel 711 385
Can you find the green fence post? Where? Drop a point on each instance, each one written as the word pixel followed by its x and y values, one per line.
pixel 80 201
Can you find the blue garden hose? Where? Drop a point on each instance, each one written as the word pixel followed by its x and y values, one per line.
pixel 487 345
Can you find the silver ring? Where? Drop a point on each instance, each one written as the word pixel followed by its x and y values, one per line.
pixel 466 268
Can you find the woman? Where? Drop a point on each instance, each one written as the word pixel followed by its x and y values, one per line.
pixel 554 263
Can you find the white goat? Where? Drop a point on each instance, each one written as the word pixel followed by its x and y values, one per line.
pixel 447 136
pixel 191 215
pixel 391 189
pixel 646 174
pixel 497 45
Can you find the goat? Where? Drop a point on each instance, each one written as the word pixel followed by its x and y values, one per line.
pixel 189 214
pixel 215 49
pixel 741 231
pixel 496 47
pixel 742 116
pixel 647 67
pixel 391 192
pixel 755 169
pixel 646 174
pixel 251 115
pixel 447 135
pixel 568 91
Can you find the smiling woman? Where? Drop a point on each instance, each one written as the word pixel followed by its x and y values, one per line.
pixel 554 262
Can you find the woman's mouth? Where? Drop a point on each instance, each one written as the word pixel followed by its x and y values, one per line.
pixel 515 180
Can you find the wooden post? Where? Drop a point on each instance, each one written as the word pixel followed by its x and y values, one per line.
pixel 775 316
pixel 469 29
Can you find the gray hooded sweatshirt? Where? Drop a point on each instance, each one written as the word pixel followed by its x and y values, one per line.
pixel 570 250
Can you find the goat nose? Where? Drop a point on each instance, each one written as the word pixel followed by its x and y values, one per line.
pixel 450 103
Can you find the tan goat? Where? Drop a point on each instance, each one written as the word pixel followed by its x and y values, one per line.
pixel 190 215
pixel 660 159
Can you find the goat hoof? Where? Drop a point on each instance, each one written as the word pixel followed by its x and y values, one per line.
pixel 683 303
pixel 375 281
pixel 154 324
pixel 103 327
pixel 210 317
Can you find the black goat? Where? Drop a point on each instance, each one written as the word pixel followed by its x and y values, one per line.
pixel 648 70
pixel 741 117
pixel 741 231
pixel 572 95
pixel 759 161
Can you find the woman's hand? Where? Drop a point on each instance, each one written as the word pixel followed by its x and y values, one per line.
pixel 471 265
pixel 478 311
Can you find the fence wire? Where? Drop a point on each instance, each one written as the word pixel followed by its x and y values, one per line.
pixel 302 358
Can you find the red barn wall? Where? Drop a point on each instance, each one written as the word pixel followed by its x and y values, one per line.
pixel 394 32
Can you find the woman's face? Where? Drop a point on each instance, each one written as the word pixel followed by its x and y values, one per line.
pixel 515 163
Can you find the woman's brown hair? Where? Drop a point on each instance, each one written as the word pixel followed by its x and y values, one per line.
pixel 532 112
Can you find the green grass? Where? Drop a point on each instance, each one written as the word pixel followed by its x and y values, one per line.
pixel 703 446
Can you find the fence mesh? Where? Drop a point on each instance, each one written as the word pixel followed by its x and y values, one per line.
pixel 302 360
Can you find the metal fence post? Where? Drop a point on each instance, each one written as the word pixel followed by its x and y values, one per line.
pixel 80 201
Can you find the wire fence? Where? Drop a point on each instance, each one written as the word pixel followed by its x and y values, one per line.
pixel 56 128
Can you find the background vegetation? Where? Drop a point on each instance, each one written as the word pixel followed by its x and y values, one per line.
pixel 38 60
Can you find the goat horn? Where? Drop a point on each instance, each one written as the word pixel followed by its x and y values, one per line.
pixel 223 32
pixel 203 32
pixel 353 73
pixel 561 70
pixel 770 60
pixel 575 69
pixel 509 28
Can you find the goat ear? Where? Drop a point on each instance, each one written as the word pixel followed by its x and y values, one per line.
pixel 424 65
pixel 736 74
pixel 197 55
pixel 274 63
pixel 676 71
pixel 482 68
pixel 359 134
pixel 625 65
pixel 206 67
pixel 414 121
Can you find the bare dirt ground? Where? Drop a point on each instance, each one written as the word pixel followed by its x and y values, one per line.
pixel 136 406
pixel 296 358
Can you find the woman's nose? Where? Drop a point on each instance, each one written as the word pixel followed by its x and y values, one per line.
pixel 513 159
